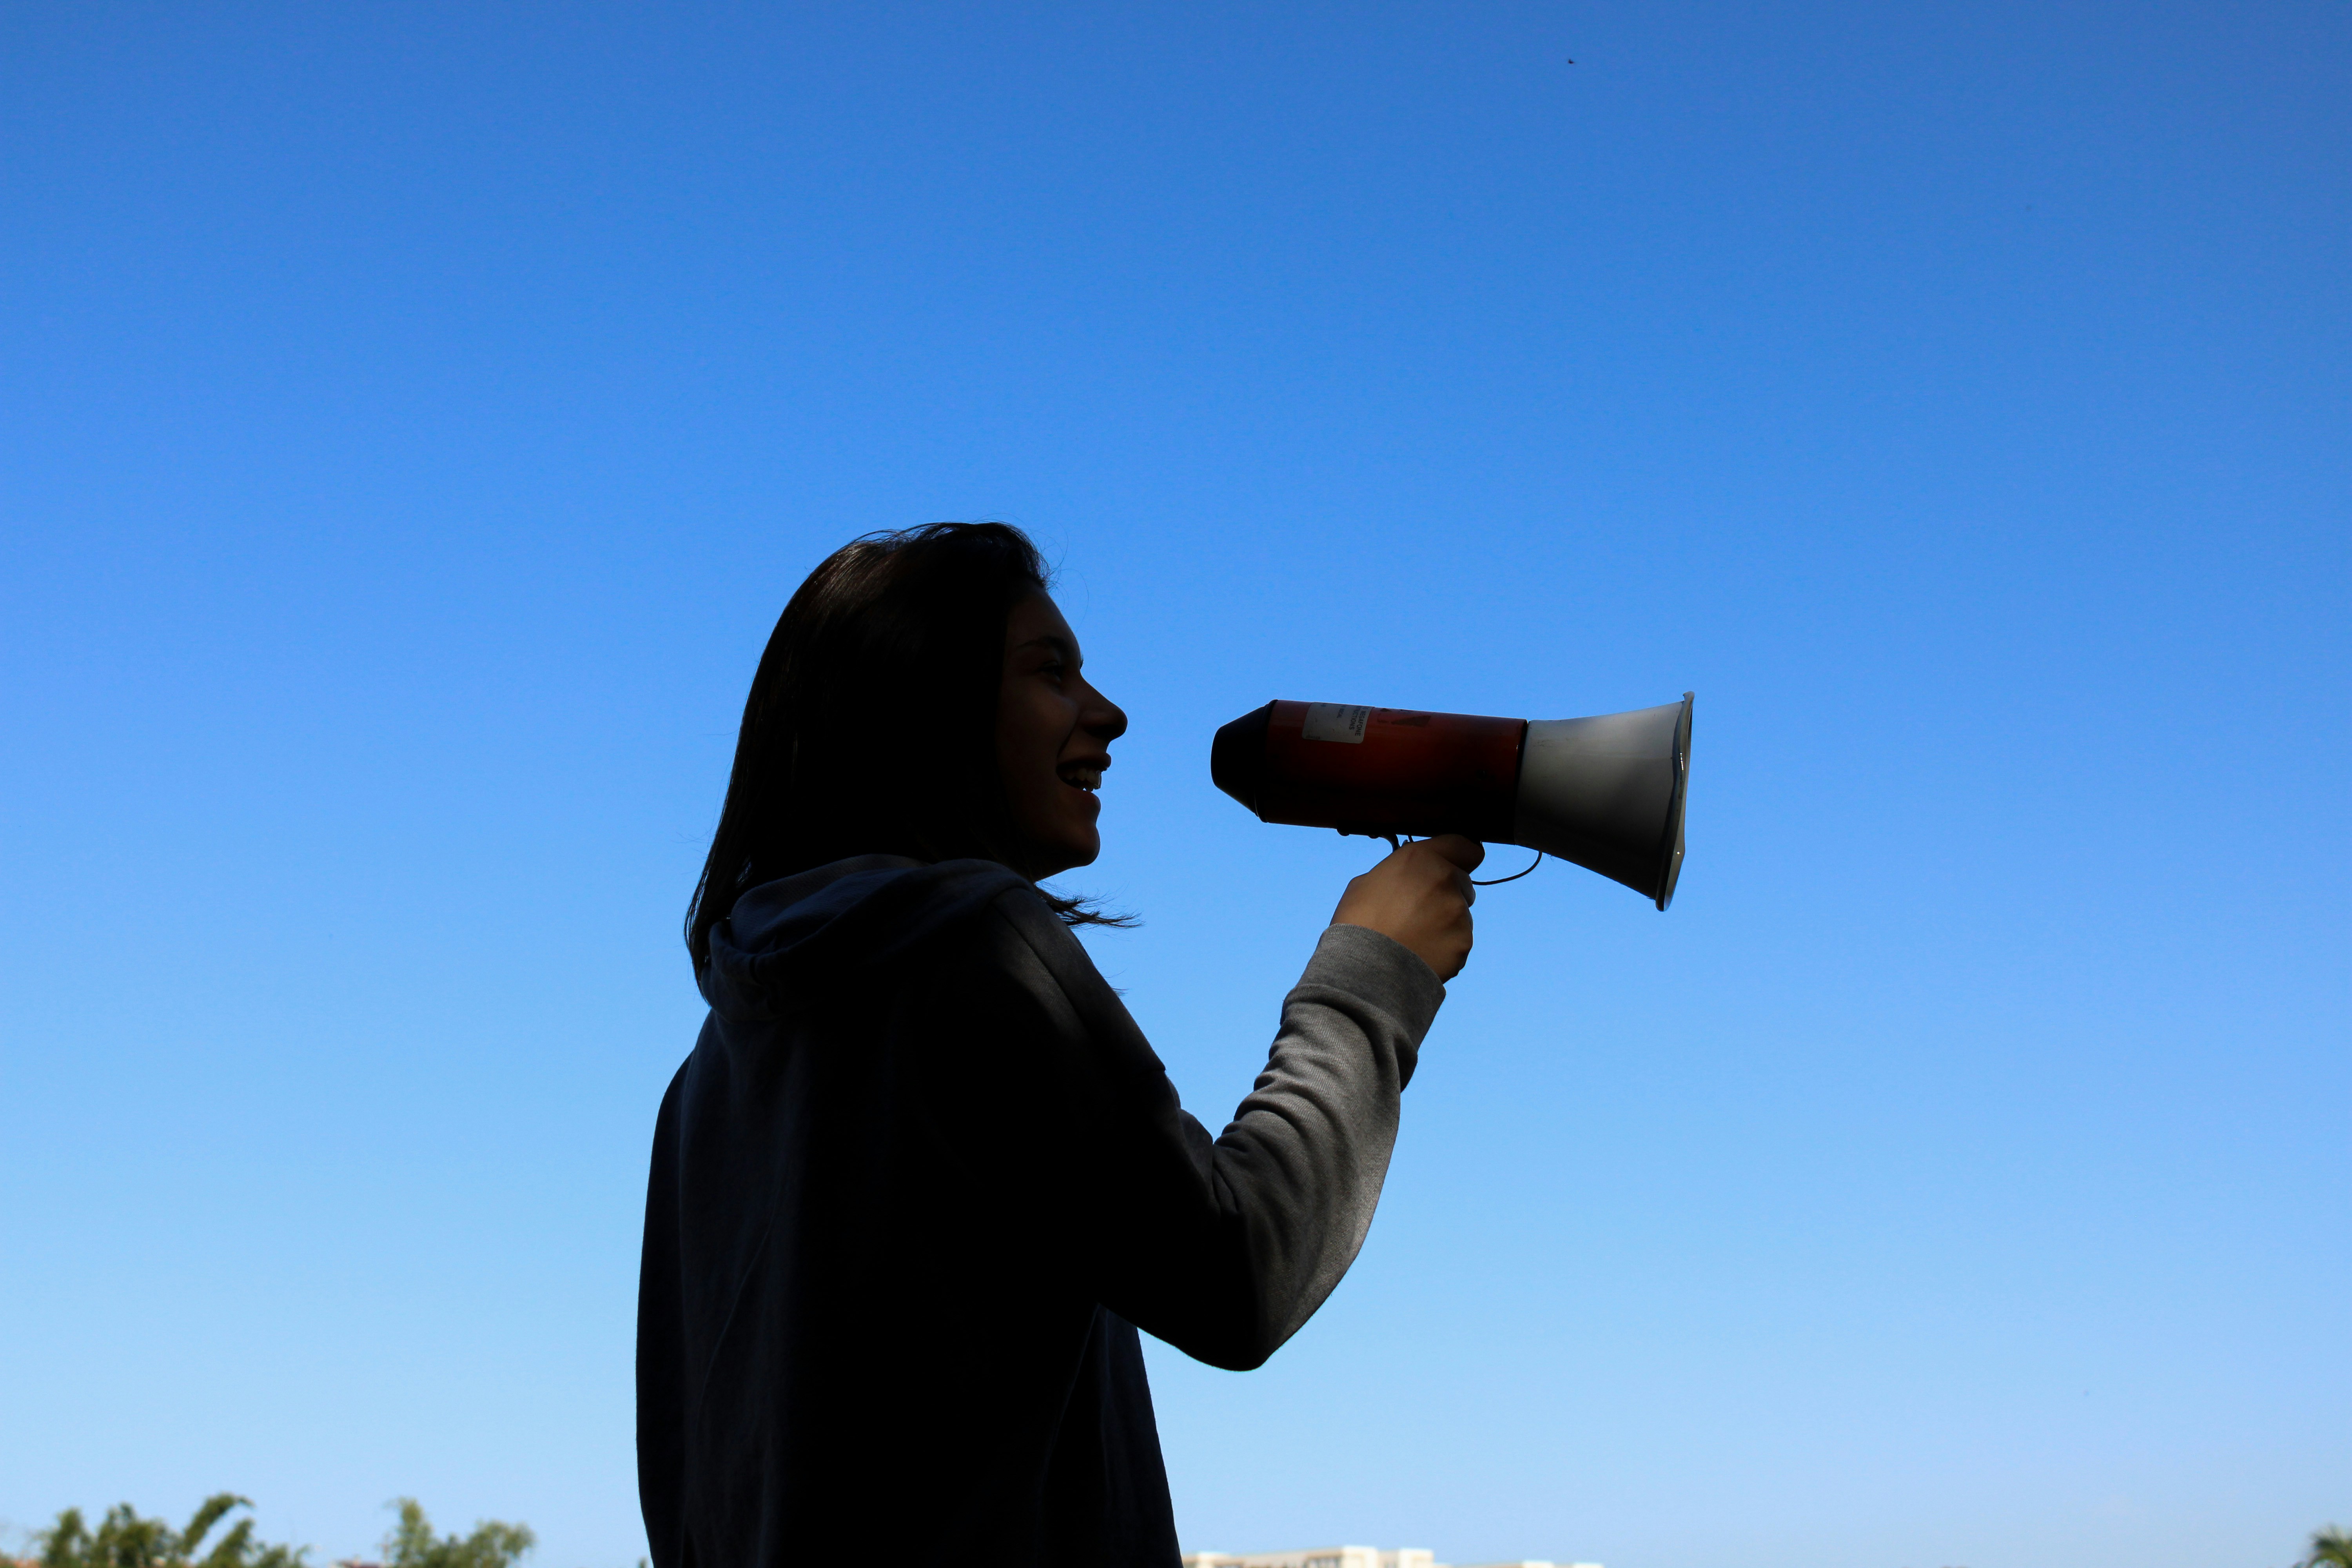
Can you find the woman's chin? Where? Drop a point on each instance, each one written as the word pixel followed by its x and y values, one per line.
pixel 1076 850
pixel 1075 845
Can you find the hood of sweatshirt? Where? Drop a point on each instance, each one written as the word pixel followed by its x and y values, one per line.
pixel 786 938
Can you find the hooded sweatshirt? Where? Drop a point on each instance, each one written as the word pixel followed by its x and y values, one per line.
pixel 914 1191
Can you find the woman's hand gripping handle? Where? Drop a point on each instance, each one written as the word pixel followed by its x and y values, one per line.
pixel 1420 896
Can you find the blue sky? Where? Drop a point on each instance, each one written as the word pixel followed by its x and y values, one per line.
pixel 415 416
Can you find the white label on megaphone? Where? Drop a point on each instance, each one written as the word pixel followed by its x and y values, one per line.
pixel 1336 721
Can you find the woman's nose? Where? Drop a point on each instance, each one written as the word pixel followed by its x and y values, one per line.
pixel 1106 719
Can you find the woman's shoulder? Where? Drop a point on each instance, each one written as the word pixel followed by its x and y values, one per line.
pixel 851 915
pixel 867 900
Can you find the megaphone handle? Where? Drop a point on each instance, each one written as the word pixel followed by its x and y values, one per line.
pixel 1476 882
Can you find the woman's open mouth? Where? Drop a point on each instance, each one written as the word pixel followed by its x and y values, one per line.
pixel 1086 775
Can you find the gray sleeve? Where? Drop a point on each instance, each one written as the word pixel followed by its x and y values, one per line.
pixel 1305 1154
pixel 1222 1246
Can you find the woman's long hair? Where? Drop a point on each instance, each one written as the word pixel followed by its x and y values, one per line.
pixel 871 726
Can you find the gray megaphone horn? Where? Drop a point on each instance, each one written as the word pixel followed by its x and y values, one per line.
pixel 1606 793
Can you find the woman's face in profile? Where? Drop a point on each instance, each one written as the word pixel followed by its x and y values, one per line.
pixel 1053 742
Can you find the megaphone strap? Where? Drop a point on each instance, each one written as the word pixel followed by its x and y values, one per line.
pixel 1496 881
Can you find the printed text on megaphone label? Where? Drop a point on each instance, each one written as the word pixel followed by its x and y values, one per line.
pixel 1336 721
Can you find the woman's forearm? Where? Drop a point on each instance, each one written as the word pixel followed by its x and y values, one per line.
pixel 1308 1150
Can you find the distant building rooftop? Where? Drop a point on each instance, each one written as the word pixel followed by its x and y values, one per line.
pixel 1349 1557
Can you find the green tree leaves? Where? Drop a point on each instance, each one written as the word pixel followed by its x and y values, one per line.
pixel 2330 1548
pixel 411 1544
pixel 123 1540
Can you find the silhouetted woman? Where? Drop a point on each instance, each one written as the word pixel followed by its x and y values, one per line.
pixel 922 1179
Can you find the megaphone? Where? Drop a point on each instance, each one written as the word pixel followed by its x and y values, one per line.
pixel 1605 792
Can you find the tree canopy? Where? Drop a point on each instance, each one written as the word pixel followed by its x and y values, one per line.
pixel 123 1540
pixel 2330 1548
pixel 412 1545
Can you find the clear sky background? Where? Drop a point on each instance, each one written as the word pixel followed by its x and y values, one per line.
pixel 413 417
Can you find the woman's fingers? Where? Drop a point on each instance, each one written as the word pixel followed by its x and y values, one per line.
pixel 1420 896
pixel 1466 853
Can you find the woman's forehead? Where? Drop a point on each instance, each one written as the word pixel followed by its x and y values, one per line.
pixel 1038 619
